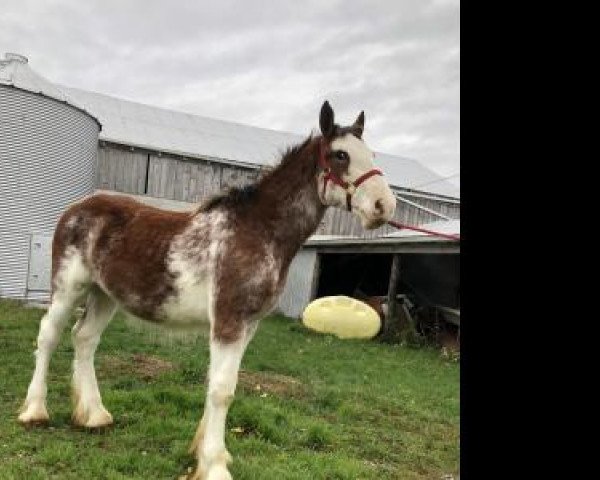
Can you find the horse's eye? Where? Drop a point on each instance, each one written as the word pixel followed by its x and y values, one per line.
pixel 341 155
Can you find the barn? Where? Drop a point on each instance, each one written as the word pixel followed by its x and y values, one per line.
pixel 175 159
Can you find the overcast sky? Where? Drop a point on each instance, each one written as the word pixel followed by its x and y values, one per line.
pixel 265 63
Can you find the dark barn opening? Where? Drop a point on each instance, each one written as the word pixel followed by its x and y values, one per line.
pixel 430 279
pixel 433 279
pixel 345 273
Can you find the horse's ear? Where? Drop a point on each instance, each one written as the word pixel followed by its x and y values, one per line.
pixel 326 120
pixel 359 124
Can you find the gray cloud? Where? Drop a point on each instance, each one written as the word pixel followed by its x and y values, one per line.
pixel 266 63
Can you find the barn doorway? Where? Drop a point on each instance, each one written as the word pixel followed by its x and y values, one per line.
pixel 431 279
pixel 347 273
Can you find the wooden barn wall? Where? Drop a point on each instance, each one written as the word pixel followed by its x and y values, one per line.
pixel 184 180
pixel 121 170
pixel 187 180
pixel 166 176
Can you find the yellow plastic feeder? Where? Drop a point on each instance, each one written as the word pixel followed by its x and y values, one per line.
pixel 342 316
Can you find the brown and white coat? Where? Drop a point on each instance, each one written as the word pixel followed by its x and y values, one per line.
pixel 223 264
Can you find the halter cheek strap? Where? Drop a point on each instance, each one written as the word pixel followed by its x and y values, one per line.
pixel 349 187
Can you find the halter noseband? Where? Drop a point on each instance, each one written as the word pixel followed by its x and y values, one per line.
pixel 349 187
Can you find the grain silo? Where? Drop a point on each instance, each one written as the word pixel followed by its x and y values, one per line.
pixel 48 156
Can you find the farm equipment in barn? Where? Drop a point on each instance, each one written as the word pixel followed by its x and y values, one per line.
pixel 432 323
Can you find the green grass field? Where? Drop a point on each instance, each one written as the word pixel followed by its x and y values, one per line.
pixel 307 407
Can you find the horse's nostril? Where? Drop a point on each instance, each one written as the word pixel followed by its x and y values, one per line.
pixel 379 206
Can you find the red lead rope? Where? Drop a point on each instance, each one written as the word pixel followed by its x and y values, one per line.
pixel 401 226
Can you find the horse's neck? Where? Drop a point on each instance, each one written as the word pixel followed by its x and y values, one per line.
pixel 299 217
pixel 296 209
pixel 285 208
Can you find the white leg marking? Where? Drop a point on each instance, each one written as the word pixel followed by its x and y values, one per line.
pixel 88 408
pixel 51 326
pixel 225 360
pixel 72 283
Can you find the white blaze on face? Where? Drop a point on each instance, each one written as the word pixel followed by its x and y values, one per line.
pixel 373 201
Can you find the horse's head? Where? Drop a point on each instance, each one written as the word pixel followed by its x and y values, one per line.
pixel 348 178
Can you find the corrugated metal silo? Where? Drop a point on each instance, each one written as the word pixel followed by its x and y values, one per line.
pixel 48 150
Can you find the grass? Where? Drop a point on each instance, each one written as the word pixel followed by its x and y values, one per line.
pixel 308 406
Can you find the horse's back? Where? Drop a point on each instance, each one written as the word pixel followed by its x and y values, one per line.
pixel 121 208
pixel 124 244
pixel 105 222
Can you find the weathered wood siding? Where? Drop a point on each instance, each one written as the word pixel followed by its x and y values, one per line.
pixel 121 170
pixel 166 176
pixel 192 180
pixel 184 180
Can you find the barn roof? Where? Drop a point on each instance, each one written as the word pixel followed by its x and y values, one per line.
pixel 154 128
pixel 443 226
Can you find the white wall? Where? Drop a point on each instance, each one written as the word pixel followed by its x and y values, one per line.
pixel 298 289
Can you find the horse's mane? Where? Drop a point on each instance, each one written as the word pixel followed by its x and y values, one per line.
pixel 238 197
pixel 233 197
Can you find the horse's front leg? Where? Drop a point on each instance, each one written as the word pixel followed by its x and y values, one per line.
pixel 209 441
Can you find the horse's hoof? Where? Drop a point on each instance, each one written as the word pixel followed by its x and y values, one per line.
pixel 34 414
pixel 196 474
pixel 219 472
pixel 36 422
pixel 98 419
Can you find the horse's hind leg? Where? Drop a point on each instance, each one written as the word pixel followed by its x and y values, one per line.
pixel 88 409
pixel 53 323
pixel 71 285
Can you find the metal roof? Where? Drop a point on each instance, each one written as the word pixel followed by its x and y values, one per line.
pixel 442 226
pixel 154 128
pixel 15 72
pixel 451 227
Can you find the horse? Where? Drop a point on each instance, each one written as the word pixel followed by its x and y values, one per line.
pixel 221 265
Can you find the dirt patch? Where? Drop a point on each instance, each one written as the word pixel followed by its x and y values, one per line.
pixel 271 383
pixel 144 366
pixel 150 367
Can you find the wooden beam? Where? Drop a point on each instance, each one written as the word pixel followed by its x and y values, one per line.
pixel 391 327
pixel 314 288
pixel 443 247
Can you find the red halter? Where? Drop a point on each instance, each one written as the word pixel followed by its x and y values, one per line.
pixel 349 187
